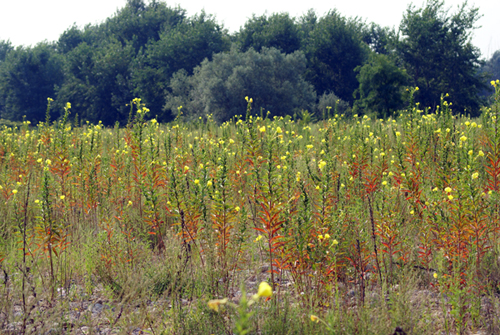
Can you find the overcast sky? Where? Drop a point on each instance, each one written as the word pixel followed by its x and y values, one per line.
pixel 28 22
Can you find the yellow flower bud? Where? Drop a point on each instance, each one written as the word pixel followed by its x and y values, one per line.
pixel 214 304
pixel 265 290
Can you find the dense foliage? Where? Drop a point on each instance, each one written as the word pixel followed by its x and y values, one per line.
pixel 491 70
pixel 146 48
pixel 437 53
pixel 273 79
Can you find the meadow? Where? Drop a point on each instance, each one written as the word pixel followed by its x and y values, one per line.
pixel 261 225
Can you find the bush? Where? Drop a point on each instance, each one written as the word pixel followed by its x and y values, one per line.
pixel 272 79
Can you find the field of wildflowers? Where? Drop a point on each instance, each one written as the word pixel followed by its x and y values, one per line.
pixel 351 226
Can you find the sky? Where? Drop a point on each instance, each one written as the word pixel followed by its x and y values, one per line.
pixel 28 22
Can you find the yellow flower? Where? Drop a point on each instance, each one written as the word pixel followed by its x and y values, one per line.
pixel 258 238
pixel 264 290
pixel 480 153
pixel 262 129
pixel 335 242
pixel 321 164
pixel 450 197
pixel 320 237
pixel 327 236
pixel 398 133
pixel 196 181
pixel 475 175
pixel 37 201
pixel 209 183
pixel 14 191
pixel 62 197
pixel 314 318
pixel 463 138
pixel 186 168
pixel 214 304
pixel 448 189
pixel 237 208
pixel 309 146
pixel 130 203
pixel 435 275
pixel 278 130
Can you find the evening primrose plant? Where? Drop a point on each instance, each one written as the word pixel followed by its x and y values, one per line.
pixel 333 215
pixel 242 325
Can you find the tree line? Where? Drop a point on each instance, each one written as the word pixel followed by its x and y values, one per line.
pixel 286 64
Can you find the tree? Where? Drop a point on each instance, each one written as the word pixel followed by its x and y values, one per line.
pixel 69 39
pixel 334 48
pixel 139 23
pixel 5 48
pixel 28 76
pixel 273 80
pixel 97 82
pixel 491 71
pixel 381 85
pixel 276 31
pixel 381 40
pixel 437 52
pixel 182 47
pixel 307 23
pixel 104 64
